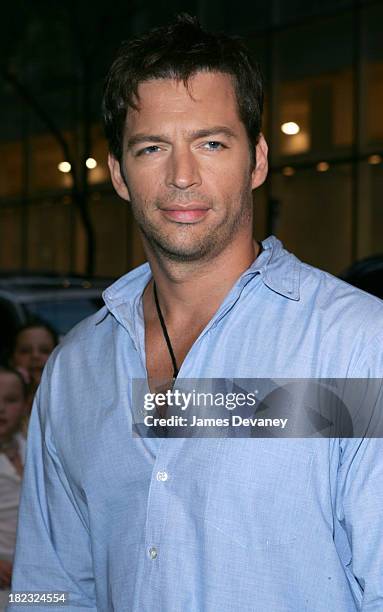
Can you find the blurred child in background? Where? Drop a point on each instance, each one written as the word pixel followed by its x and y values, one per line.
pixel 13 406
pixel 32 345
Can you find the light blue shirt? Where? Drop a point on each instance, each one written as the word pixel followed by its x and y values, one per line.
pixel 206 525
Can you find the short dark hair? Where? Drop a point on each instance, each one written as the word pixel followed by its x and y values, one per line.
pixel 178 51
pixel 15 372
pixel 33 323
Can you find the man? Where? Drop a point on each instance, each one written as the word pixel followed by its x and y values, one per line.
pixel 121 522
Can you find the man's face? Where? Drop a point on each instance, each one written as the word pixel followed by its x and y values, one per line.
pixel 186 167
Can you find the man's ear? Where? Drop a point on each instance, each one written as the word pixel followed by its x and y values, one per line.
pixel 117 178
pixel 259 173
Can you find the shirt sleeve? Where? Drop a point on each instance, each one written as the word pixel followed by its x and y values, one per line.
pixel 53 548
pixel 360 491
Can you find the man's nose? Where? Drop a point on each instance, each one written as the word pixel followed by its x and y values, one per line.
pixel 183 170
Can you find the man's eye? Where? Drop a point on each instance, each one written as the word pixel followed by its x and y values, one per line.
pixel 213 145
pixel 148 150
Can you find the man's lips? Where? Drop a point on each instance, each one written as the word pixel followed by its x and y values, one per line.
pixel 186 214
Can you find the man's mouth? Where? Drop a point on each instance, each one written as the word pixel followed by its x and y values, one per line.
pixel 191 213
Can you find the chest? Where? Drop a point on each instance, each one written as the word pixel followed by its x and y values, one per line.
pixel 159 362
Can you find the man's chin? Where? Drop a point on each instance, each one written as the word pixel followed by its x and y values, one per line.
pixel 181 254
pixel 188 244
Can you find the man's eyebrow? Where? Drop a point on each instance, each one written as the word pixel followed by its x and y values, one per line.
pixel 212 131
pixel 140 138
pixel 192 135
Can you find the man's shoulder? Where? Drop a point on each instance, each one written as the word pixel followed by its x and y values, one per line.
pixel 312 288
pixel 340 303
pixel 76 365
pixel 83 341
pixel 330 288
pixel 88 331
pixel 94 330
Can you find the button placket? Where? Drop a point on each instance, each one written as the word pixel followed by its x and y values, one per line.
pixel 158 501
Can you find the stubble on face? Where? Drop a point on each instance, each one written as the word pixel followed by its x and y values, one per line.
pixel 189 243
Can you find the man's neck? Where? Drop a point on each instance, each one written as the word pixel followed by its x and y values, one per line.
pixel 187 291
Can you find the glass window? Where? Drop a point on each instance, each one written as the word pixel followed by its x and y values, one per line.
pixel 377 208
pixel 49 233
pixel 46 156
pixel 301 8
pixel 11 169
pixel 109 215
pixel 315 215
pixel 372 76
pixel 100 173
pixel 253 16
pixel 313 89
pixel 10 237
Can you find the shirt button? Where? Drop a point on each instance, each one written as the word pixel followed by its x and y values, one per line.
pixel 153 553
pixel 162 476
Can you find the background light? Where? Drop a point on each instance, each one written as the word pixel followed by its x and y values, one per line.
pixel 288 171
pixel 374 160
pixel 290 128
pixel 323 166
pixel 64 166
pixel 91 163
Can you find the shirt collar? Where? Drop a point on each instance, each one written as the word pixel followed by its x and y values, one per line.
pixel 278 268
pixel 123 297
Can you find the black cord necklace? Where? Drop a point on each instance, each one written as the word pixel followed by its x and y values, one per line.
pixel 165 332
pixel 164 328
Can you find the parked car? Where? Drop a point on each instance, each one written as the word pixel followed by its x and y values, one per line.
pixel 367 274
pixel 60 301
